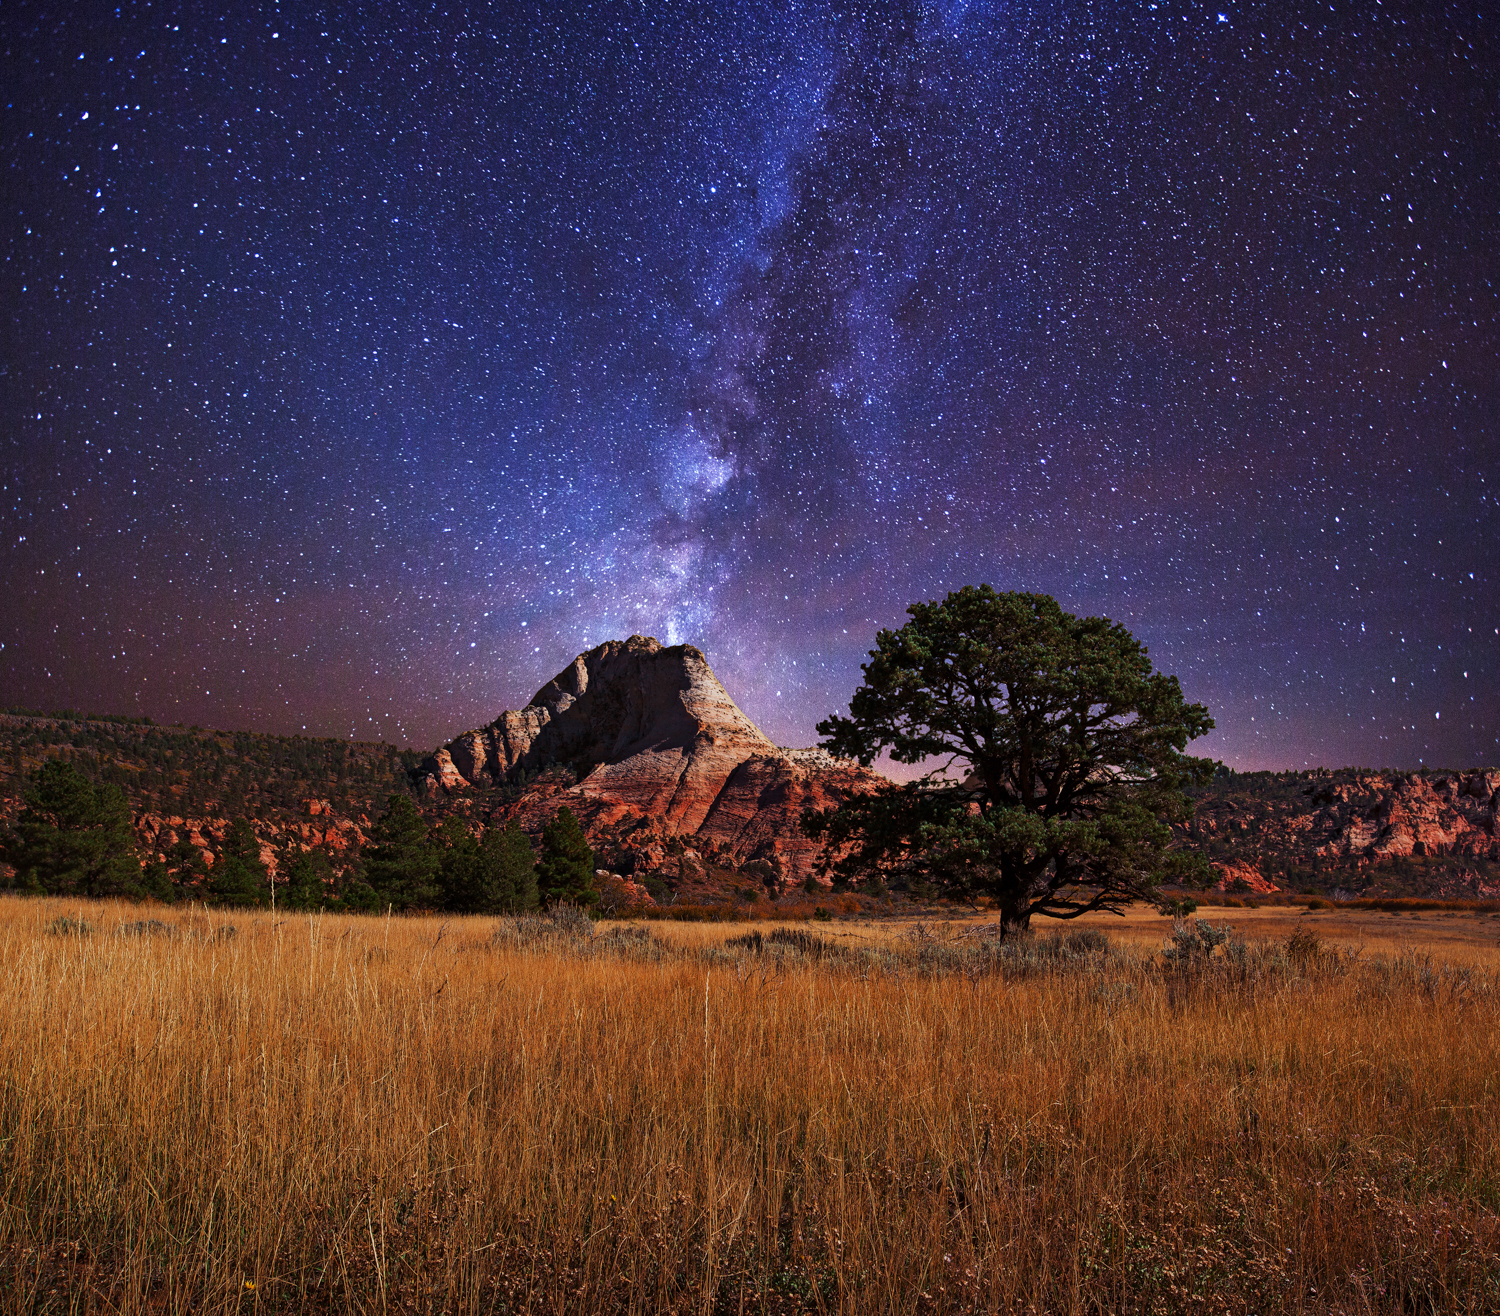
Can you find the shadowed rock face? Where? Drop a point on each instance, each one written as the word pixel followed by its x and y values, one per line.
pixel 656 736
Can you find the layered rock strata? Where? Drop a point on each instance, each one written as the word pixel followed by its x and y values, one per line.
pixel 653 736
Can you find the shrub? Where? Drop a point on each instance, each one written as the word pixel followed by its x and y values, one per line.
pixel 149 927
pixel 1194 941
pixel 64 926
pixel 1304 946
pixel 559 923
pixel 1084 941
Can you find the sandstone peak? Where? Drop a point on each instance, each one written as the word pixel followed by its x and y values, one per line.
pixel 654 736
pixel 620 699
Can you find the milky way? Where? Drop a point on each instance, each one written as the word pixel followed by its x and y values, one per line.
pixel 359 371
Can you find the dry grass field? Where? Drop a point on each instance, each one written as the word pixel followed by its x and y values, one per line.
pixel 346 1114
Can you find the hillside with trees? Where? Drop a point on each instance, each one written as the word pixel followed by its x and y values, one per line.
pixel 313 803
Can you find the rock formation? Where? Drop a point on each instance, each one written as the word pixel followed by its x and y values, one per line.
pixel 320 829
pixel 1237 876
pixel 1445 814
pixel 1354 829
pixel 655 740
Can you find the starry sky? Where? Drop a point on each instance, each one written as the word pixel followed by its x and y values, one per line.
pixel 361 365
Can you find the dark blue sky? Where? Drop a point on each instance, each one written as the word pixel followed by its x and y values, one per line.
pixel 361 367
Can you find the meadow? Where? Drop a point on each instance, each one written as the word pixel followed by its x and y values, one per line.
pixel 485 1115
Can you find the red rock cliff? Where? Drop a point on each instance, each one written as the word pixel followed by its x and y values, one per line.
pixel 656 737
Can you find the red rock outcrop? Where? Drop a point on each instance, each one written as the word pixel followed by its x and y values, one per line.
pixel 655 738
pixel 1235 876
pixel 156 834
pixel 1415 814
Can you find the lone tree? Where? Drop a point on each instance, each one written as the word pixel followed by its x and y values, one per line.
pixel 73 838
pixel 511 864
pixel 307 876
pixel 1059 761
pixel 565 872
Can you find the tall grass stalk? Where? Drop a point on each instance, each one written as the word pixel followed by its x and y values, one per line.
pixel 345 1114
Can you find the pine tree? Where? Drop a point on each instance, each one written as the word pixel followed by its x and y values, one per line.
pixel 401 864
pixel 509 857
pixel 308 874
pixel 355 895
pixel 1060 761
pixel 240 877
pixel 186 870
pixel 565 872
pixel 496 875
pixel 461 872
pixel 73 838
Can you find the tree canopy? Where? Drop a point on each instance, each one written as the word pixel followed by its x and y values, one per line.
pixel 73 838
pixel 495 875
pixel 565 872
pixel 401 863
pixel 239 876
pixel 1058 754
pixel 307 876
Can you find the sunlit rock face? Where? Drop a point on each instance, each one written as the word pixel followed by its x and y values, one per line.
pixel 653 736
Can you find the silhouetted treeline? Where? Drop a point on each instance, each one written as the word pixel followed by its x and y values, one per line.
pixel 193 772
pixel 73 837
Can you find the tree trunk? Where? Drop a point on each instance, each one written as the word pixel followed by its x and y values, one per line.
pixel 1015 918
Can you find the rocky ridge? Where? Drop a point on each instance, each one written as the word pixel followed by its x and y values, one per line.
pixel 658 752
pixel 1436 832
pixel 730 800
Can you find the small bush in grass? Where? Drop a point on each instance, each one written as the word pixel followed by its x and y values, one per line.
pixel 146 927
pixel 1084 941
pixel 560 923
pixel 815 948
pixel 803 944
pixel 1304 946
pixel 65 926
pixel 634 943
pixel 1194 941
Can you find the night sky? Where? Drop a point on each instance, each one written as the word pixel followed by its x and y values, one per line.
pixel 360 369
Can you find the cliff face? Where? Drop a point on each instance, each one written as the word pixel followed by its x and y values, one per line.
pixel 657 743
pixel 1445 814
pixel 1437 832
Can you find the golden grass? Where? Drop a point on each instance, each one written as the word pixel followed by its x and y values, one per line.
pixel 340 1113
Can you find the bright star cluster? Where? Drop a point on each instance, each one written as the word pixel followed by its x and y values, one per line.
pixel 361 367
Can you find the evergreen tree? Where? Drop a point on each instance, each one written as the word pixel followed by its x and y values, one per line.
pixel 73 838
pixel 156 882
pixel 308 876
pixel 565 872
pixel 185 870
pixel 1060 754
pixel 496 875
pixel 511 861
pixel 355 895
pixel 401 865
pixel 240 877
pixel 461 869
